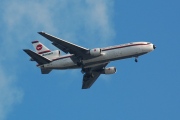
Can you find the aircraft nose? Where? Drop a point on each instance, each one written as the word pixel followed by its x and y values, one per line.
pixel 154 46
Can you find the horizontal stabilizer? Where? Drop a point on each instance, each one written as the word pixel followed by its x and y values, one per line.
pixel 38 58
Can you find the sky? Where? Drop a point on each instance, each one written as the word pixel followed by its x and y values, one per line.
pixel 149 89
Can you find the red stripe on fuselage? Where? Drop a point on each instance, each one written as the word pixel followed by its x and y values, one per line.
pixel 63 57
pixel 121 46
pixel 44 52
pixel 104 49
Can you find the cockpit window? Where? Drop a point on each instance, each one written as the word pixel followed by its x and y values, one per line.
pixel 148 43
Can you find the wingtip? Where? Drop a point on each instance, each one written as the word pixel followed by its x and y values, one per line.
pixel 83 87
pixel 41 32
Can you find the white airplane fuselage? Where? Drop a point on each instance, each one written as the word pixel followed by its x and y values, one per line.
pixel 108 54
pixel 92 62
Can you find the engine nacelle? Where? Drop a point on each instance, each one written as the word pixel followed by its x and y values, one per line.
pixel 95 52
pixel 110 70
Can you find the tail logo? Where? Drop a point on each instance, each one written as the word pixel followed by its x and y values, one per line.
pixel 39 47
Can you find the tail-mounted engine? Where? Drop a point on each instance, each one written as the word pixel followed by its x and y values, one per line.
pixel 110 70
pixel 95 52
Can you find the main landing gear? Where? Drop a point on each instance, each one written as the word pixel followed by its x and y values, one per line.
pixel 80 62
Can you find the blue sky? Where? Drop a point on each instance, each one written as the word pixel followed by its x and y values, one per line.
pixel 145 90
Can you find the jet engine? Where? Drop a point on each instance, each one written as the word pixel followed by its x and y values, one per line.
pixel 95 52
pixel 110 70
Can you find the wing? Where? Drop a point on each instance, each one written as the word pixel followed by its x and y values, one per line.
pixel 65 46
pixel 45 71
pixel 91 75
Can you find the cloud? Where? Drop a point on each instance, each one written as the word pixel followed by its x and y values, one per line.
pixel 84 22
pixel 87 21
pixel 99 19
pixel 10 94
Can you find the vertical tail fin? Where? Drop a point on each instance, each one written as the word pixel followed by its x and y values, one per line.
pixel 40 48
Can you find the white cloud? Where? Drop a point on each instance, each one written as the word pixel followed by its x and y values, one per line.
pixel 81 21
pixel 99 18
pixel 10 94
pixel 88 21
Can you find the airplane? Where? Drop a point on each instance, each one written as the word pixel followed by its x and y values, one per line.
pixel 92 62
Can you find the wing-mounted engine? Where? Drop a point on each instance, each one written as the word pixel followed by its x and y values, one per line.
pixel 95 52
pixel 110 70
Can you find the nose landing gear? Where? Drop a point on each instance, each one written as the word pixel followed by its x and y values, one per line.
pixel 136 60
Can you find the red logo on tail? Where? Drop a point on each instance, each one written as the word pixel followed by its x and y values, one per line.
pixel 39 47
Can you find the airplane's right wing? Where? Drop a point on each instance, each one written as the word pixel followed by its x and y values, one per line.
pixel 89 80
pixel 45 71
pixel 91 75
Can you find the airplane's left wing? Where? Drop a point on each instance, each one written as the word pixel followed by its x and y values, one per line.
pixel 66 46
pixel 91 75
